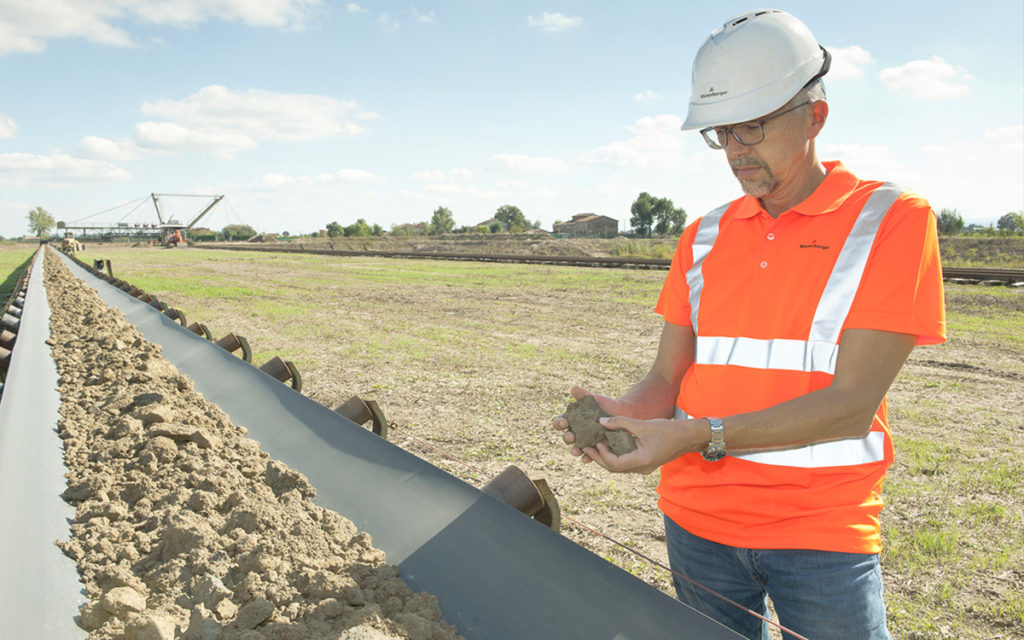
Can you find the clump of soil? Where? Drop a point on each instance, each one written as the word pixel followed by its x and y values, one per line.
pixel 184 528
pixel 583 415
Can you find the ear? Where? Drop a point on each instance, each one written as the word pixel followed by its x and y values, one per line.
pixel 819 114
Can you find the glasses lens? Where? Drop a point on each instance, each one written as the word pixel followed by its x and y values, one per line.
pixel 712 137
pixel 750 133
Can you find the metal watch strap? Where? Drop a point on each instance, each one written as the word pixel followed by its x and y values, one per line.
pixel 715 450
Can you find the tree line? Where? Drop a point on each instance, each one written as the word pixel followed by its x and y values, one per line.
pixel 649 216
pixel 951 223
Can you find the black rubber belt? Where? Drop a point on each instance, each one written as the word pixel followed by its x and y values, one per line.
pixel 39 588
pixel 496 573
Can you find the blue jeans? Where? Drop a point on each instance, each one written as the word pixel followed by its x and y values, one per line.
pixel 818 594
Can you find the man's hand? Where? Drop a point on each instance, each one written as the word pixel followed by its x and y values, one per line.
pixel 610 405
pixel 657 442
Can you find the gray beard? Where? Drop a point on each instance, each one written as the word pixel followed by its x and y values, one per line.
pixel 757 188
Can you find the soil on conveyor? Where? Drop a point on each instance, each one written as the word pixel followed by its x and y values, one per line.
pixel 184 529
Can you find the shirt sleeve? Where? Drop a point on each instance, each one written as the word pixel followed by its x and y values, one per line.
pixel 901 290
pixel 674 301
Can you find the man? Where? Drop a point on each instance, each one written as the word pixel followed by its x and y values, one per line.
pixel 788 314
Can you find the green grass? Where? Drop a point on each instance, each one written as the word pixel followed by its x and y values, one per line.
pixel 953 527
pixel 14 260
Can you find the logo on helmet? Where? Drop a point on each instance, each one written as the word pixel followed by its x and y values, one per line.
pixel 712 93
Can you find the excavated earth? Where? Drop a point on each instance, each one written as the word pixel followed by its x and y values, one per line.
pixel 184 528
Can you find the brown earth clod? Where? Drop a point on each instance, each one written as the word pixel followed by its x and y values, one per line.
pixel 583 416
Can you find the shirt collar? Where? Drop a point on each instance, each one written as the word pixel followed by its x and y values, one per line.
pixel 839 182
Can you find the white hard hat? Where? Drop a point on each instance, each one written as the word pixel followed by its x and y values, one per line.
pixel 752 66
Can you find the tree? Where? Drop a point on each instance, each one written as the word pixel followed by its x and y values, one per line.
pixel 667 218
pixel 442 222
pixel 1012 222
pixel 335 230
pixel 512 218
pixel 238 231
pixel 950 222
pixel 358 228
pixel 40 222
pixel 642 219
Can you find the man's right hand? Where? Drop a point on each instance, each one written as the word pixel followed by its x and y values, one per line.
pixel 611 405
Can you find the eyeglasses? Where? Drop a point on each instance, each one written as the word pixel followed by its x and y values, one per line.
pixel 747 133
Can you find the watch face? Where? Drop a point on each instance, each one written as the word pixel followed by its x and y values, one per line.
pixel 713 456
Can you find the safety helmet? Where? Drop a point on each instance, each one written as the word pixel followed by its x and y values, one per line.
pixel 752 66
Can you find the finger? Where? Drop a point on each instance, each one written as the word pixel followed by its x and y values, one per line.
pixel 579 392
pixel 616 423
pixel 560 423
pixel 568 437
pixel 596 455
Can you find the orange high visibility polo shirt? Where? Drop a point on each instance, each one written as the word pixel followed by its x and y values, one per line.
pixel 768 299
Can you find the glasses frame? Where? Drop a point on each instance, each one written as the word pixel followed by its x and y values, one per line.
pixel 712 140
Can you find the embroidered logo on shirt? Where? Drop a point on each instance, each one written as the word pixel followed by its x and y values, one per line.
pixel 814 245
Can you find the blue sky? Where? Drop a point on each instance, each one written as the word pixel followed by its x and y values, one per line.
pixel 303 112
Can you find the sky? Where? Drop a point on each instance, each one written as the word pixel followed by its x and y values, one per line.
pixel 304 112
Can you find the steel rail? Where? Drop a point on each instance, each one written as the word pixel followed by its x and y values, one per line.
pixel 497 574
pixel 971 274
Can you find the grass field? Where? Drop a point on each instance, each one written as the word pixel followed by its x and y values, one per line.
pixel 477 358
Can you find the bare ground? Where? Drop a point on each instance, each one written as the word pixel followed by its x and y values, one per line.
pixel 472 363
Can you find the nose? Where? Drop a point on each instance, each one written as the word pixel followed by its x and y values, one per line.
pixel 734 148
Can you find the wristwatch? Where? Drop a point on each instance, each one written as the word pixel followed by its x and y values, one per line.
pixel 715 450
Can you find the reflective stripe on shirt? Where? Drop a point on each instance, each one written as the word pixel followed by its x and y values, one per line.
pixel 818 353
pixel 836 453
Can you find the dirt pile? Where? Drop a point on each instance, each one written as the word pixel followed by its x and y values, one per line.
pixel 184 528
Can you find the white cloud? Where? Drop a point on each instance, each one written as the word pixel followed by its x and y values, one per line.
pixel 1013 132
pixel 931 79
pixel 7 127
pixel 27 168
pixel 343 177
pixel 106 149
pixel 26 27
pixel 290 14
pixel 356 175
pixel 870 162
pixel 425 18
pixel 269 115
pixel 848 62
pixel 656 141
pixel 528 164
pixel 171 136
pixel 387 23
pixel 554 22
pixel 437 175
pixel 511 184
pixel 355 8
pixel 647 95
pixel 430 176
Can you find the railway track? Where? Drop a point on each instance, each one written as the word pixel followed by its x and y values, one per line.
pixel 964 275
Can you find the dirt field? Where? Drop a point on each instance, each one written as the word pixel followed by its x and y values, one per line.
pixel 475 359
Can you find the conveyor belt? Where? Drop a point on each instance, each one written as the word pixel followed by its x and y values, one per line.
pixel 496 573
pixel 39 589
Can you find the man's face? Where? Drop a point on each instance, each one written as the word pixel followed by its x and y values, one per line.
pixel 763 168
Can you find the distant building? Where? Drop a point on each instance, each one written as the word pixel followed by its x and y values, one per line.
pixel 588 224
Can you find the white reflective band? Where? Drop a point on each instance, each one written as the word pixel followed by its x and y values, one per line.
pixel 837 297
pixel 818 352
pixel 707 232
pixel 777 354
pixel 838 453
